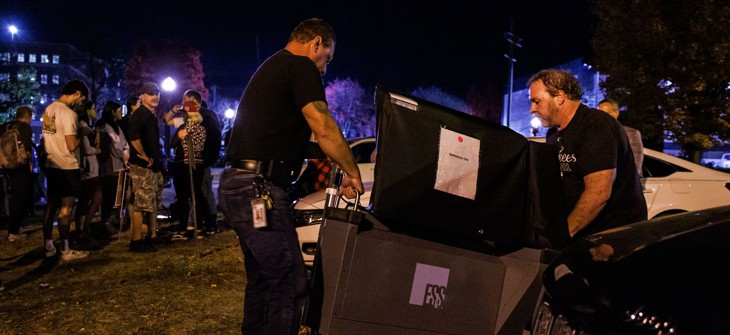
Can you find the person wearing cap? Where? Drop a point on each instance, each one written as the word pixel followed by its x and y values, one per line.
pixel 145 167
pixel 61 142
pixel 282 105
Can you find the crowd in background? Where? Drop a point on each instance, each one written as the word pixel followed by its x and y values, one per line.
pixel 97 159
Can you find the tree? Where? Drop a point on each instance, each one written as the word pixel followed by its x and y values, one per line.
pixel 439 96
pixel 351 107
pixel 668 63
pixel 156 61
pixel 23 90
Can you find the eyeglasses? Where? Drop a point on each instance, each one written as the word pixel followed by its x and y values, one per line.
pixel 152 92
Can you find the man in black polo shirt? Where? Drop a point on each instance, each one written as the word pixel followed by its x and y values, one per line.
pixel 283 104
pixel 600 182
pixel 144 164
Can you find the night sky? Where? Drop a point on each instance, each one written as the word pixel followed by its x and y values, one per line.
pixel 403 44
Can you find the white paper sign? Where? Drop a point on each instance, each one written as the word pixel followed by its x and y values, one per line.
pixel 458 164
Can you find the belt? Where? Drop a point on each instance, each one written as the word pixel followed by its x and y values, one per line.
pixel 251 166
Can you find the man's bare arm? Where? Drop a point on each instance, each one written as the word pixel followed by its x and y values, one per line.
pixel 330 139
pixel 72 142
pixel 137 144
pixel 597 191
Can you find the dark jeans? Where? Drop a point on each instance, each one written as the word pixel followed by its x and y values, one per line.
pixel 19 198
pixel 181 179
pixel 275 275
pixel 207 188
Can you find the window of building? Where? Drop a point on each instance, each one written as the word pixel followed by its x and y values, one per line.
pixel 20 76
pixel 44 79
pixel 55 59
pixel 21 58
pixel 4 76
pixel 55 79
pixel 31 58
pixel 44 58
pixel 5 56
pixel 44 98
pixel 32 78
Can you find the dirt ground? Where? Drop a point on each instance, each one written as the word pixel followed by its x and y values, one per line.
pixel 180 289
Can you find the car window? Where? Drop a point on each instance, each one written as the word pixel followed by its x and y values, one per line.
pixel 654 167
pixel 362 152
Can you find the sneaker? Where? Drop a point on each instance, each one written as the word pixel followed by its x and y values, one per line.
pixel 70 254
pixel 179 237
pixel 50 252
pixel 16 237
pixel 141 246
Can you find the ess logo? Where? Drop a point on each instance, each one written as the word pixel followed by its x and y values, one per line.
pixel 429 286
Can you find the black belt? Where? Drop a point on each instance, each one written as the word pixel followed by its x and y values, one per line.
pixel 251 166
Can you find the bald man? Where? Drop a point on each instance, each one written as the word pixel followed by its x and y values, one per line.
pixel 637 147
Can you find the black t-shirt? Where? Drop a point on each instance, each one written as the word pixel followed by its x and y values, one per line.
pixel 212 136
pixel 594 141
pixel 143 126
pixel 269 123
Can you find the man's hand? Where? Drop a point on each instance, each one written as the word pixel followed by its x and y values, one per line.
pixel 146 159
pixel 350 187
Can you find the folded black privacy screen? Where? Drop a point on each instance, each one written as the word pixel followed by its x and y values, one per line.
pixel 449 177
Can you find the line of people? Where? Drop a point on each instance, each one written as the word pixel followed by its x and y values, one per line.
pixel 84 159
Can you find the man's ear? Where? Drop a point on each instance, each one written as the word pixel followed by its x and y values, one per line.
pixel 560 96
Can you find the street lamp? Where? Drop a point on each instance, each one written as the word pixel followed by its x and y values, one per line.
pixel 168 85
pixel 535 124
pixel 229 113
pixel 13 30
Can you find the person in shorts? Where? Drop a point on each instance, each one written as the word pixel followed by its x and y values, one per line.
pixel 145 167
pixel 61 142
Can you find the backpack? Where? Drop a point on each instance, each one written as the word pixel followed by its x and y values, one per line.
pixel 12 150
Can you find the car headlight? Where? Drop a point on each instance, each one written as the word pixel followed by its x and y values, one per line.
pixel 549 323
pixel 307 217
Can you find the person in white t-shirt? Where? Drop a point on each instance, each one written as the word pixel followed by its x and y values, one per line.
pixel 61 142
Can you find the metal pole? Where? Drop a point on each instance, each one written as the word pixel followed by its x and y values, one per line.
pixel 513 41
pixel 191 167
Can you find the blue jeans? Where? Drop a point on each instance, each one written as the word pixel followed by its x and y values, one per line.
pixel 275 275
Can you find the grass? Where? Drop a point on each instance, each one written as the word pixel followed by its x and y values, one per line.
pixel 175 290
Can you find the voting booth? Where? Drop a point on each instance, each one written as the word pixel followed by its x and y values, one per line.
pixel 464 216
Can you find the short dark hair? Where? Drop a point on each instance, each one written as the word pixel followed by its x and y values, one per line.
pixel 75 85
pixel 23 112
pixel 194 94
pixel 612 102
pixel 131 101
pixel 559 80
pixel 308 29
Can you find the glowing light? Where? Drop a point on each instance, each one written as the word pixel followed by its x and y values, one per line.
pixel 230 113
pixel 169 84
pixel 535 122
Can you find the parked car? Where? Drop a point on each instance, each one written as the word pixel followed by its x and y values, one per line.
pixel 663 276
pixel 309 209
pixel 671 185
pixel 722 162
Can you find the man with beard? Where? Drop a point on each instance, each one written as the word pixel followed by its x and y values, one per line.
pixel 61 142
pixel 144 161
pixel 600 182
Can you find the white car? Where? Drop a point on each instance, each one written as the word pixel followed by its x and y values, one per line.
pixel 308 210
pixel 671 185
